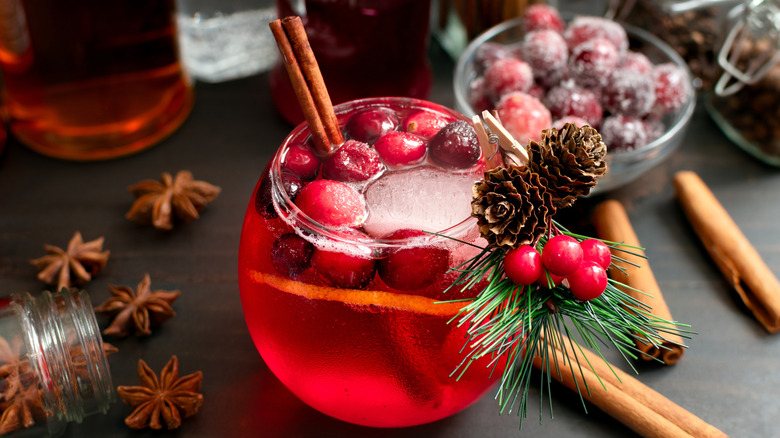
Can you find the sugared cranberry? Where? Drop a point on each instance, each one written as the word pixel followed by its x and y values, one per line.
pixel 562 255
pixel 654 128
pixel 541 16
pixel 477 97
pixel 621 133
pixel 523 265
pixel 569 99
pixel 488 53
pixel 352 162
pixel 424 124
pixel 585 28
pixel 413 266
pixel 628 92
pixel 301 160
pixel 545 51
pixel 291 254
pixel 597 251
pixel 672 88
pixel 371 123
pixel 588 282
pixel 400 148
pixel 524 116
pixel 576 121
pixel 592 62
pixel 332 204
pixel 636 61
pixel 455 146
pixel 340 269
pixel 507 75
pixel 537 91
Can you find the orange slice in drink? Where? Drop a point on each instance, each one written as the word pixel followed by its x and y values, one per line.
pixel 398 301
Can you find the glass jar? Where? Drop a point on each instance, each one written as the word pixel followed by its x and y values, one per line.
pixel 52 367
pixel 745 101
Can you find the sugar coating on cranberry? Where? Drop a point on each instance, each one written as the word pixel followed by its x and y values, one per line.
pixel 507 75
pixel 414 265
pixel 424 124
pixel 291 254
pixel 545 51
pixel 523 265
pixel 636 61
pixel 400 148
pixel 488 53
pixel 562 255
pixel 588 282
pixel 524 116
pixel 597 251
pixel 343 270
pixel 537 91
pixel 672 88
pixel 369 124
pixel 455 146
pixel 628 92
pixel 354 161
pixel 622 133
pixel 570 99
pixel 477 96
pixel 654 128
pixel 541 16
pixel 576 121
pixel 592 62
pixel 332 204
pixel 585 28
pixel 300 159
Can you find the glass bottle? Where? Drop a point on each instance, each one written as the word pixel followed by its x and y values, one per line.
pixel 52 367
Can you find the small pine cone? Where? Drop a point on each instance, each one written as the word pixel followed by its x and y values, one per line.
pixel 512 206
pixel 571 160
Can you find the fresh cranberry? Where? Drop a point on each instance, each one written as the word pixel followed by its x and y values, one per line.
pixel 507 75
pixel 597 251
pixel 545 51
pixel 544 282
pixel 455 146
pixel 371 123
pixel 264 200
pixel 354 161
pixel 592 62
pixel 574 120
pixel 488 53
pixel 332 204
pixel 340 269
pixel 400 148
pixel 636 61
pixel 291 254
pixel 569 99
pixel 413 266
pixel 562 255
pixel 477 96
pixel 524 116
pixel 541 16
pixel 672 88
pixel 523 265
pixel 588 282
pixel 424 124
pixel 585 28
pixel 621 133
pixel 628 92
pixel 300 159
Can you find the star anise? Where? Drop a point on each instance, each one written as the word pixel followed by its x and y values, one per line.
pixel 22 410
pixel 76 266
pixel 139 310
pixel 79 359
pixel 20 398
pixel 162 402
pixel 159 202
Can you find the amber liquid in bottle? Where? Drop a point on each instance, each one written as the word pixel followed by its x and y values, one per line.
pixel 91 79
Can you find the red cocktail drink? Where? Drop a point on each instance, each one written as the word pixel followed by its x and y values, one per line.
pixel 339 279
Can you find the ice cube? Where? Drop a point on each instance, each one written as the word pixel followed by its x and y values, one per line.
pixel 423 198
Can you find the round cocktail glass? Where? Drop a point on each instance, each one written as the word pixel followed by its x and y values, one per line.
pixel 373 354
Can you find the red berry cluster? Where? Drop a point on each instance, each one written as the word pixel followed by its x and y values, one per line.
pixel 581 266
pixel 584 73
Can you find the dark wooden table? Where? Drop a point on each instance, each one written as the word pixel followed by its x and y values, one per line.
pixel 730 376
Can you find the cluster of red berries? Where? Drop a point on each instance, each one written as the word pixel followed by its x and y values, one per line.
pixel 580 266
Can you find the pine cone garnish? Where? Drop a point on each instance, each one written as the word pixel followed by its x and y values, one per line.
pixel 512 206
pixel 571 160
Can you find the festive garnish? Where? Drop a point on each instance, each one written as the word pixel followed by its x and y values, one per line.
pixel 76 266
pixel 20 399
pixel 164 401
pixel 161 202
pixel 139 310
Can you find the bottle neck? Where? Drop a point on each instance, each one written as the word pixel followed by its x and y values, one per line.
pixel 66 349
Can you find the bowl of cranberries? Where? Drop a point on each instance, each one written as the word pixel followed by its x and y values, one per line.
pixel 547 68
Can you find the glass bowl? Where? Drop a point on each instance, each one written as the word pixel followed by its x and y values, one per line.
pixel 624 166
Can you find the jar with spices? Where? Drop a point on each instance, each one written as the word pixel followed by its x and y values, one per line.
pixel 53 369
pixel 745 101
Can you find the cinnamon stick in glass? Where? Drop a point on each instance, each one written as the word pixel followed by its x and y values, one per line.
pixel 612 223
pixel 730 249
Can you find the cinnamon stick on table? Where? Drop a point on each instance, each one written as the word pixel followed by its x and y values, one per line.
pixel 730 249
pixel 622 396
pixel 612 223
